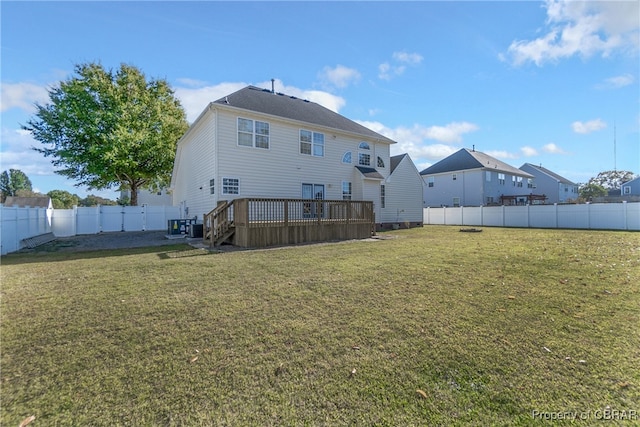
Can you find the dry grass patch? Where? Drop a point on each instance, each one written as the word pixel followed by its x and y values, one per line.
pixel 433 327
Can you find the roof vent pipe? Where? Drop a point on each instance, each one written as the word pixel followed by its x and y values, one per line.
pixel 273 87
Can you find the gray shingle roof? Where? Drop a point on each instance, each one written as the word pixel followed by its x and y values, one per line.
pixel 395 161
pixel 369 172
pixel 277 104
pixel 32 202
pixel 465 159
pixel 546 171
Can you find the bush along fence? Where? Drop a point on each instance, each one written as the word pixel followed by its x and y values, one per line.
pixel 21 224
pixel 594 216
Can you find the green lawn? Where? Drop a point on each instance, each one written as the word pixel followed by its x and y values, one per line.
pixel 428 327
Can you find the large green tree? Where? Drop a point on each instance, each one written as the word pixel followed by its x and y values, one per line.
pixel 107 128
pixel 62 199
pixel 12 181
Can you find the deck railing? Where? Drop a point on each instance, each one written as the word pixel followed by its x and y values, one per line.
pixel 289 214
pixel 258 212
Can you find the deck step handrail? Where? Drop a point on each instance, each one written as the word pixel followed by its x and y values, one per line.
pixel 218 224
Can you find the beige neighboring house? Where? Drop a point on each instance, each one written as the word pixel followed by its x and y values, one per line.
pixel 255 143
pixel 29 202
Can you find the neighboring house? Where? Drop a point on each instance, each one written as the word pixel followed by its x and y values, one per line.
pixel 151 198
pixel 631 188
pixel 29 202
pixel 555 187
pixel 471 178
pixel 257 143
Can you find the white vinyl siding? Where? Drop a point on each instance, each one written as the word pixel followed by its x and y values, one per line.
pixel 403 195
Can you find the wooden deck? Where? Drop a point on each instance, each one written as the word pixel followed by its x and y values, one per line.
pixel 258 222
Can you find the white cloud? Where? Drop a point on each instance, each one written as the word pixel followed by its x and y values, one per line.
pixel 588 127
pixel 552 148
pixel 529 151
pixel 387 70
pixel 339 76
pixel 583 28
pixel 450 133
pixel 23 96
pixel 195 99
pixel 408 58
pixel 617 82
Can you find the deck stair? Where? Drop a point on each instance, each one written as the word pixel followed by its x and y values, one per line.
pixel 219 226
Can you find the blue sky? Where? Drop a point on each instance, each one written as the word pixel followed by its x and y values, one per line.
pixel 539 82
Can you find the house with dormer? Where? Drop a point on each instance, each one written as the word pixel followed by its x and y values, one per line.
pixel 256 143
pixel 472 178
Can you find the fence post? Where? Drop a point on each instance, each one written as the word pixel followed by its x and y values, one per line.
pixel 624 214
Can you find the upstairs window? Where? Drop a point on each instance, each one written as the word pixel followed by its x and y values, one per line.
pixel 530 183
pixel 212 186
pixel 455 176
pixel 380 162
pixel 346 157
pixel 501 178
pixel 364 159
pixel 311 143
pixel 431 181
pixel 253 133
pixel 519 181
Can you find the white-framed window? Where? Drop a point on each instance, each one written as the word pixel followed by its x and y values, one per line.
pixel 364 159
pixel 513 180
pixel 346 190
pixel 346 157
pixel 519 181
pixel 530 183
pixel 380 162
pixel 455 176
pixel 627 189
pixel 212 186
pixel 253 133
pixel 487 175
pixel 456 202
pixel 311 143
pixel 431 181
pixel 383 195
pixel 501 179
pixel 230 186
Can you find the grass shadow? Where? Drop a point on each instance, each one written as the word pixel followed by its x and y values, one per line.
pixel 170 251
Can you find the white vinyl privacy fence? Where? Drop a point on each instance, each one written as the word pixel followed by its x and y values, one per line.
pixel 23 223
pixel 596 216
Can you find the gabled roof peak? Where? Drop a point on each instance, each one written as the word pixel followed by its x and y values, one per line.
pixel 465 159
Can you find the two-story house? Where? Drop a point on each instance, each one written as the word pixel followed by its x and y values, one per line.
pixel 258 143
pixel 557 188
pixel 471 178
